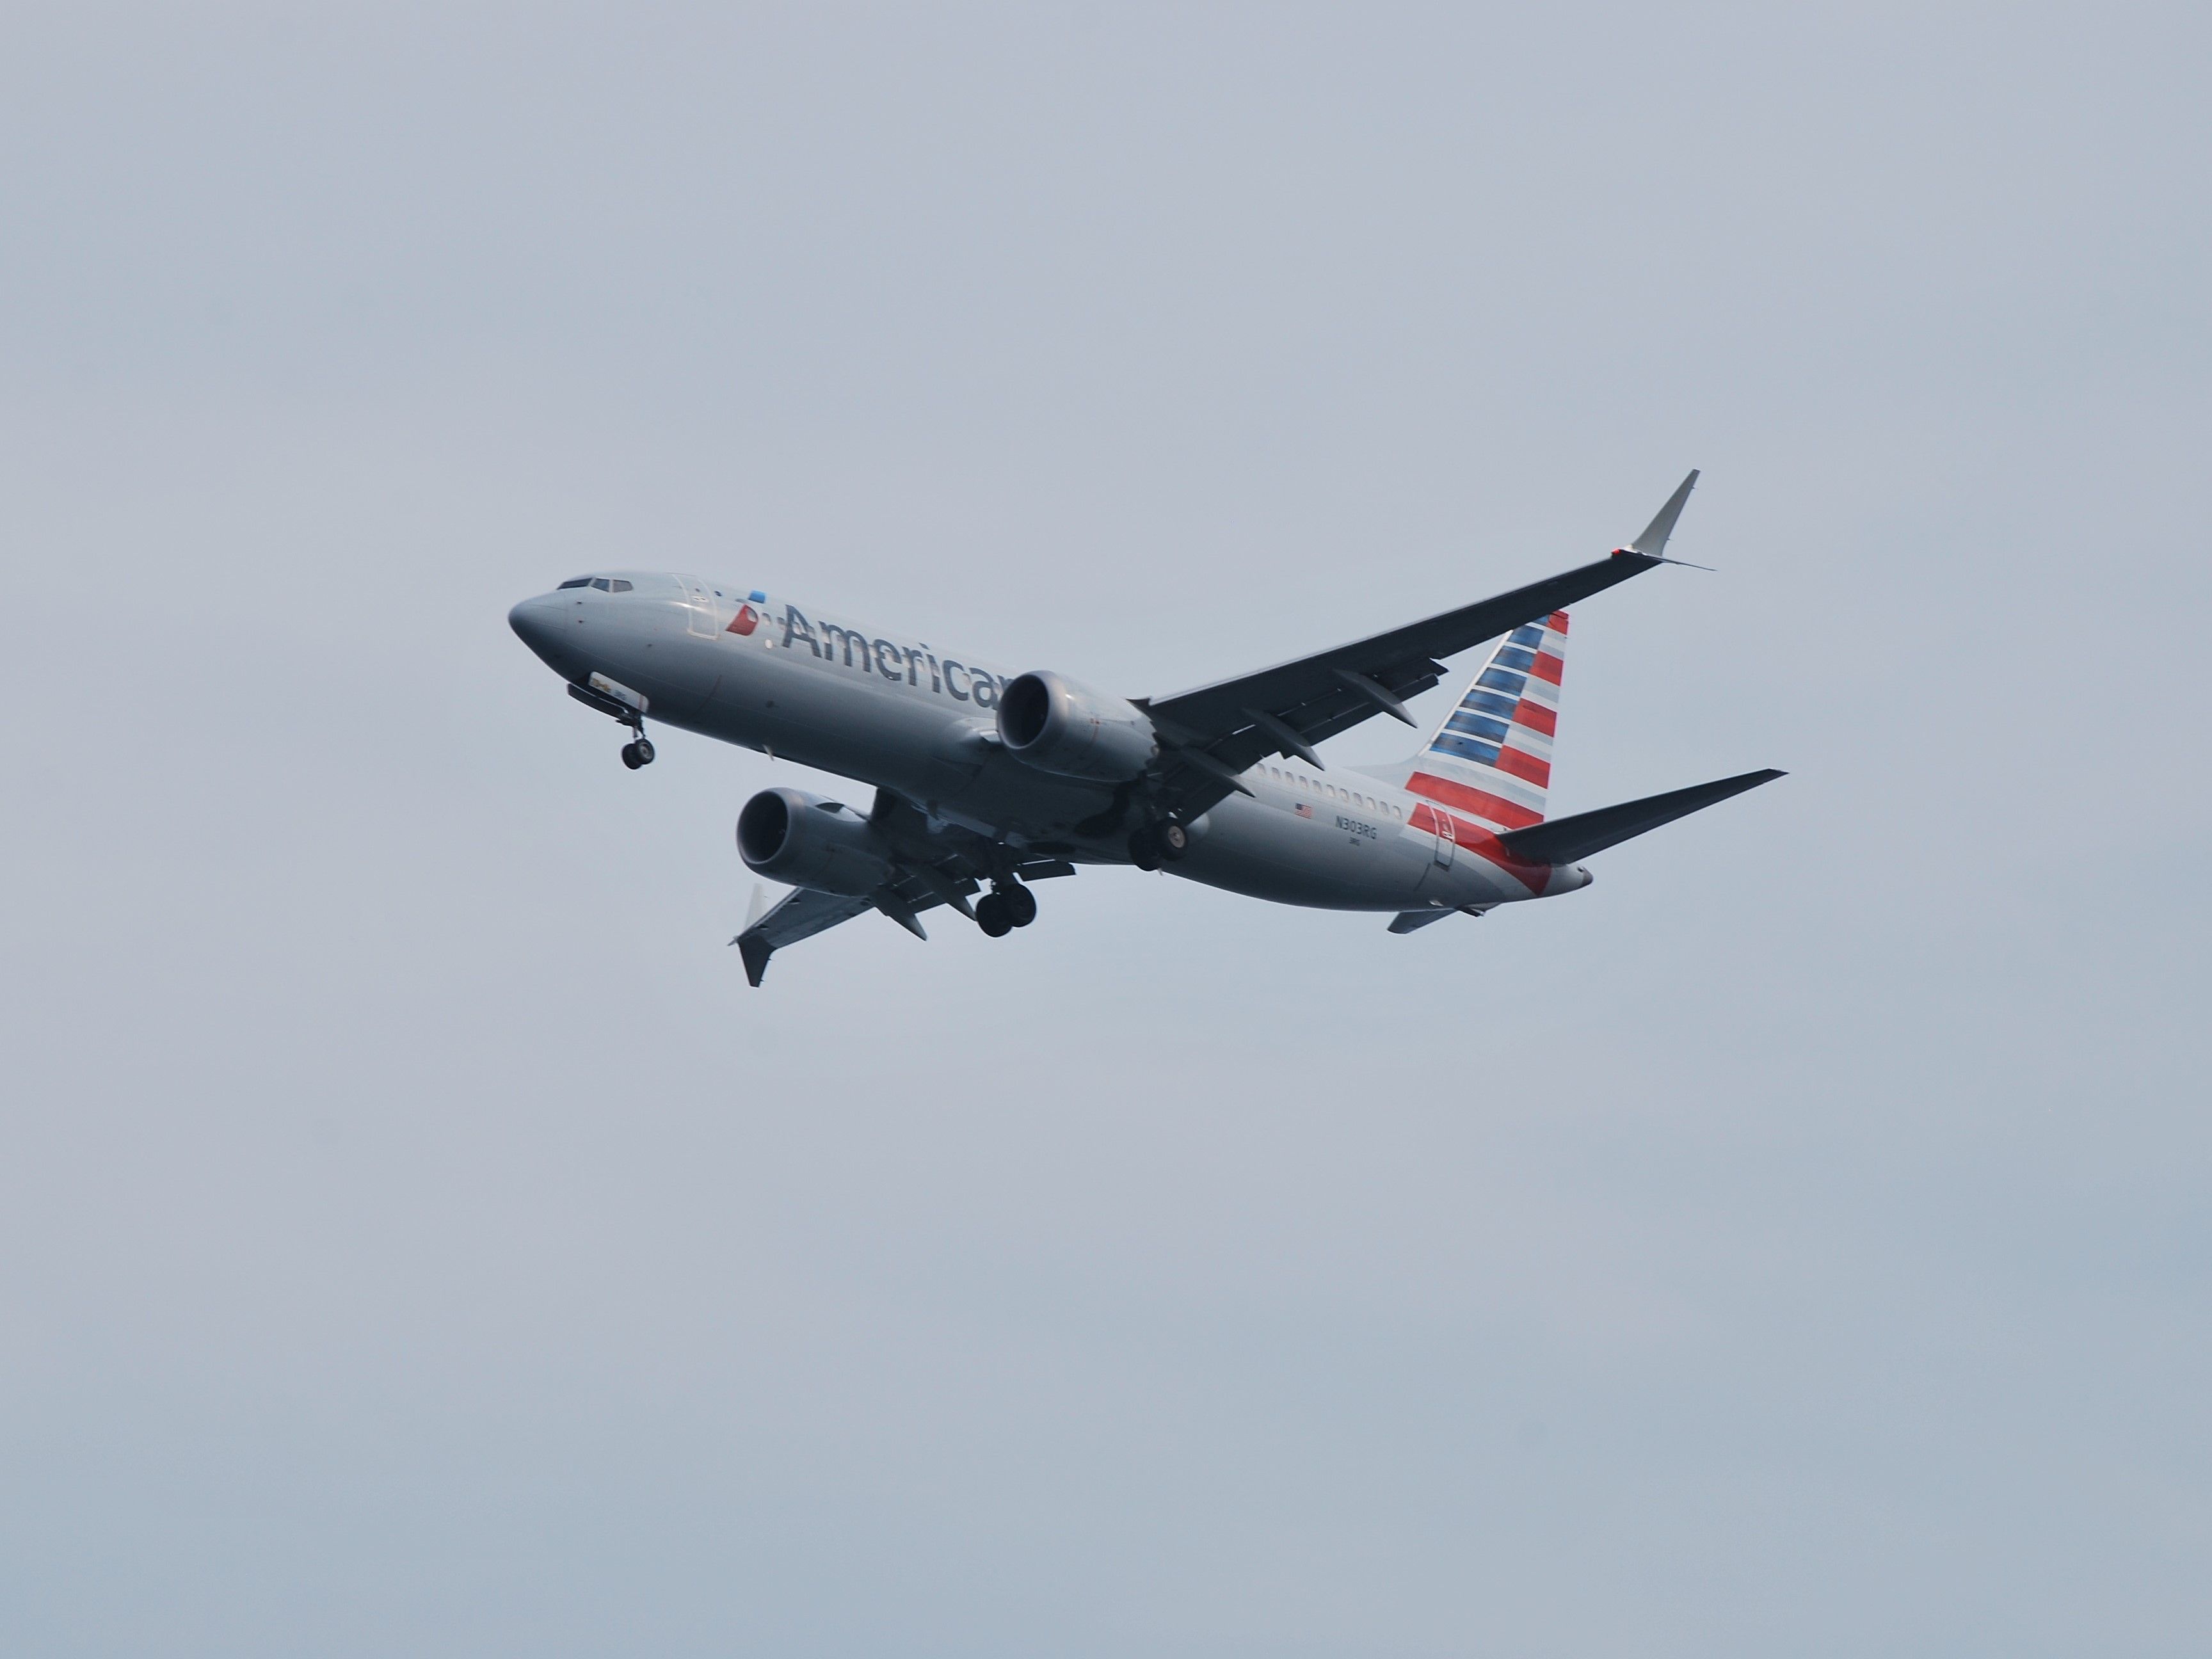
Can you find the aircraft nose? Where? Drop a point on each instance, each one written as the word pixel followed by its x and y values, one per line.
pixel 536 622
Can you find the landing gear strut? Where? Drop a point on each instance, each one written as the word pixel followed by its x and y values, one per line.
pixel 1156 844
pixel 618 702
pixel 1007 906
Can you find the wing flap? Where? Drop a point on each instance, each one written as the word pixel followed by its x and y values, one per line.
pixel 1238 721
pixel 1319 696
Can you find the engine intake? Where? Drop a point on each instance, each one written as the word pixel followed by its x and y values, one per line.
pixel 803 841
pixel 1051 723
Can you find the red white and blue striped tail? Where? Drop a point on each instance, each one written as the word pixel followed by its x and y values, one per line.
pixel 1491 759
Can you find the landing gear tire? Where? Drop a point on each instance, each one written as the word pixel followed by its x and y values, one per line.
pixel 992 915
pixel 1158 843
pixel 1020 903
pixel 631 758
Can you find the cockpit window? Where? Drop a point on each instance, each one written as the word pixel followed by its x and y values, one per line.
pixel 621 587
pixel 601 583
pixel 577 581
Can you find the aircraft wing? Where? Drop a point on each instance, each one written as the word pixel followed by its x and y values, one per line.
pixel 1216 731
pixel 800 914
pixel 916 884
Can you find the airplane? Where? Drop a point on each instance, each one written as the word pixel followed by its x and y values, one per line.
pixel 983 778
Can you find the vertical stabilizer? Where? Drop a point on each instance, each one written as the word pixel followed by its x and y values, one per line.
pixel 1491 759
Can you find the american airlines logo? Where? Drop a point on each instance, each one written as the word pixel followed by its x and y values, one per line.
pixel 892 660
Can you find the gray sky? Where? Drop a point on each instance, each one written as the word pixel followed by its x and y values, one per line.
pixel 414 1237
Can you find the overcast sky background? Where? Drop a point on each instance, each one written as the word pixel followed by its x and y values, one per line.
pixel 416 1237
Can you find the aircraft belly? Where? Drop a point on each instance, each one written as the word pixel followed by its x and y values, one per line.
pixel 1473 879
pixel 833 722
pixel 892 735
pixel 1266 851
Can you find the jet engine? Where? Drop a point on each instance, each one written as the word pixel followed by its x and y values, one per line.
pixel 803 841
pixel 1056 725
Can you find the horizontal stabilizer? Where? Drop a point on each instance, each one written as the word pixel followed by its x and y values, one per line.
pixel 1407 921
pixel 1563 840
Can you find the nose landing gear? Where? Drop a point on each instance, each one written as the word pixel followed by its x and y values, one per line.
pixel 618 702
pixel 1007 906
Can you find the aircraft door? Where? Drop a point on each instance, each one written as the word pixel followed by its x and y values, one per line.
pixel 703 619
pixel 1447 843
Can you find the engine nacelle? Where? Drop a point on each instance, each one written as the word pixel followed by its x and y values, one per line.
pixel 1056 725
pixel 803 841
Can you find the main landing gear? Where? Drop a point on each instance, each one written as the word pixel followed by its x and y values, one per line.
pixel 1007 906
pixel 638 751
pixel 1156 844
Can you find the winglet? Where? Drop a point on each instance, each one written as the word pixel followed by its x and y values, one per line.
pixel 1652 544
pixel 751 944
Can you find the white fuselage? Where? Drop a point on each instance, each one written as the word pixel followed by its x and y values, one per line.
pixel 900 714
